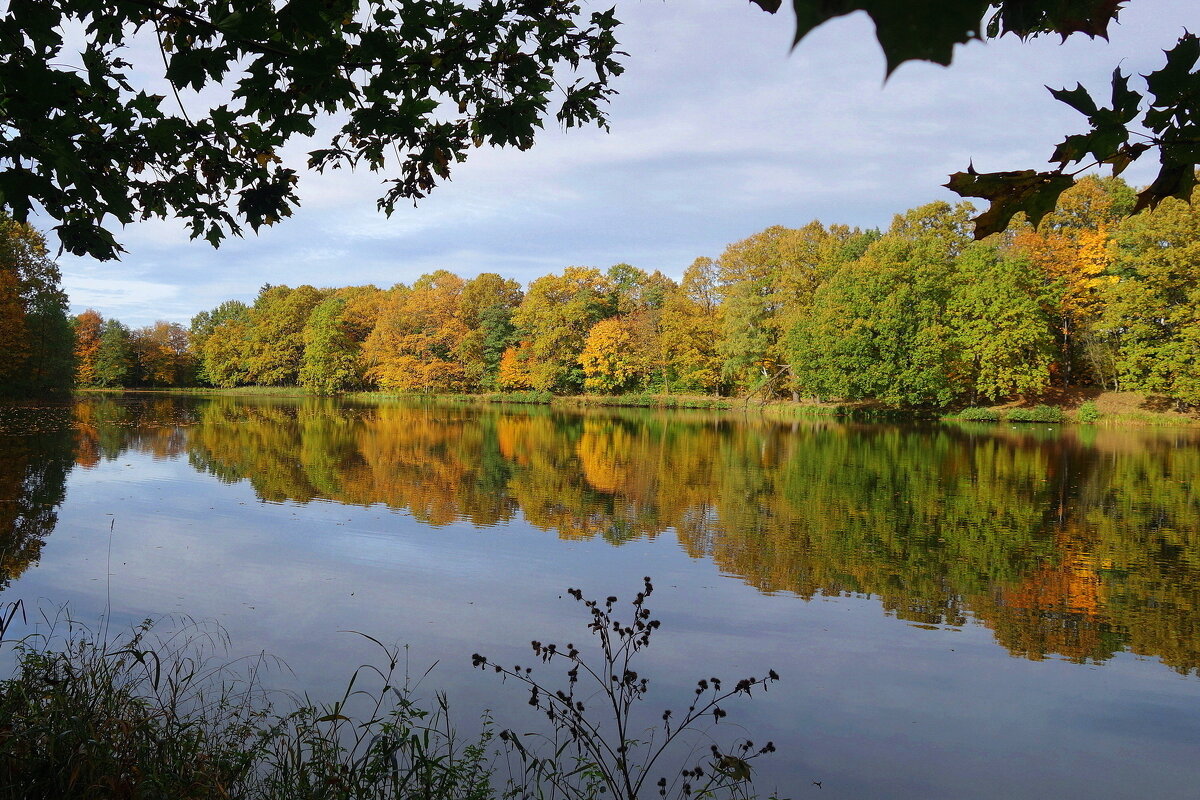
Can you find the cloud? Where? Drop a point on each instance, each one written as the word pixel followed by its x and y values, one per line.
pixel 719 130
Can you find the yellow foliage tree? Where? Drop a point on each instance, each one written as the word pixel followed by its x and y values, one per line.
pixel 416 342
pixel 609 357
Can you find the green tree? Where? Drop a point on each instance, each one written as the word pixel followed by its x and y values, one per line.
pixel 426 81
pixel 1002 331
pixel 1151 313
pixel 114 357
pixel 275 347
pixel 331 361
pixel 213 361
pixel 878 328
pixel 220 341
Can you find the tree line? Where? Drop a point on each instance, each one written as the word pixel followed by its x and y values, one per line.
pixel 918 315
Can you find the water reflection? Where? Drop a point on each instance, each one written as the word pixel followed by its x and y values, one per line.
pixel 1077 544
pixel 33 472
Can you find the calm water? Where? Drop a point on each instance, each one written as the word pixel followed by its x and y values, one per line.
pixel 989 611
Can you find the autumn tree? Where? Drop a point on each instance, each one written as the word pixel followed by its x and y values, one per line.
pixel 553 321
pixel 416 344
pixel 486 308
pixel 161 355
pixel 14 335
pixel 1072 248
pixel 87 343
pixel 610 357
pixel 691 326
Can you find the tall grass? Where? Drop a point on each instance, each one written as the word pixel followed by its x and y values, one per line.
pixel 159 712
pixel 143 715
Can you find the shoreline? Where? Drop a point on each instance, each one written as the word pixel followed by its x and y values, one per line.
pixel 1104 409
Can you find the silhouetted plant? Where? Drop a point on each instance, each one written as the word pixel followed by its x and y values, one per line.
pixel 600 751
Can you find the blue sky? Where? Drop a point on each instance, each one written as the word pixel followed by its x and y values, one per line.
pixel 719 130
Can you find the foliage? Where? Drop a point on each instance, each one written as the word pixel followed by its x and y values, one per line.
pixel 161 356
pixel 331 356
pixel 425 81
pixel 87 344
pixel 1088 412
pixel 554 319
pixel 608 357
pixel 36 339
pixel 275 347
pixel 1168 107
pixel 219 338
pixel 587 762
pixel 114 356
pixel 1150 314
pixel 416 345
pixel 1035 414
pixel 917 317
pixel 1003 338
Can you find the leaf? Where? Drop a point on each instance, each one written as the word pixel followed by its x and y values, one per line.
pixel 1175 179
pixel 1126 156
pixel 1035 193
pixel 1077 98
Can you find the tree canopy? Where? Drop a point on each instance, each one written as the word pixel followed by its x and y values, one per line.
pixel 407 86
pixel 1164 118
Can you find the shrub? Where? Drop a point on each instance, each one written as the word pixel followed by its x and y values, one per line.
pixel 973 414
pixel 1088 412
pixel 1036 414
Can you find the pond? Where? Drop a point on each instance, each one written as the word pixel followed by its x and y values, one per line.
pixel 954 611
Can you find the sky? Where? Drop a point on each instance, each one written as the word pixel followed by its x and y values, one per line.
pixel 719 130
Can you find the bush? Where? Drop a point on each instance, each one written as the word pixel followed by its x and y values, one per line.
pixel 1087 413
pixel 973 414
pixel 1051 414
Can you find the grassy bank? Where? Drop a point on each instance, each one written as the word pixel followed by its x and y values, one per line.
pixel 1082 407
pixel 1078 406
